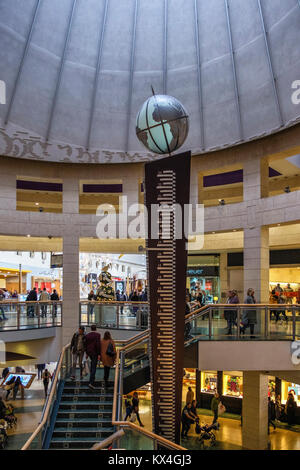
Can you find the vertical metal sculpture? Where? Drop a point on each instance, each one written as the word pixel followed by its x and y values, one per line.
pixel 167 183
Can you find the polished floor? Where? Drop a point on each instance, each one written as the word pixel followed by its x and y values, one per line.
pixel 229 437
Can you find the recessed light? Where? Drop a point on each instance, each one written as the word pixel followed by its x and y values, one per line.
pixel 37 203
pixel 28 236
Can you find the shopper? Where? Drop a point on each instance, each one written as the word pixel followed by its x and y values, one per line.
pixel 46 376
pixel 278 408
pixel 128 407
pixel 215 406
pixel 9 386
pixel 5 372
pixel 1 307
pixel 281 301
pixel 186 420
pixel 18 387
pixel 249 316
pixel 189 396
pixel 78 348
pixel 135 407
pixel 187 326
pixel 54 296
pixel 231 315
pixel 40 368
pixel 44 297
pixel 91 306
pixel 134 298
pixel 271 414
pixel 108 355
pixel 288 293
pixel 193 411
pixel 93 350
pixel 290 409
pixel 32 296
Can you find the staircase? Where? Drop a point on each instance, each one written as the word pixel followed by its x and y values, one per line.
pixel 84 415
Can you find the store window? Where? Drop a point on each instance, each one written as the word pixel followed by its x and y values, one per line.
pixel 286 388
pixel 271 388
pixel 233 384
pixel 209 381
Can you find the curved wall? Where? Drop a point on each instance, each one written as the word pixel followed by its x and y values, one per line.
pixel 77 72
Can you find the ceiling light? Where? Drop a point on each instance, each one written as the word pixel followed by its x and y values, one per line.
pixel 28 236
pixel 37 203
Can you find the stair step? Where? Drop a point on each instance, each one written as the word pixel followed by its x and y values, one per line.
pixel 70 433
pixel 103 422
pixel 86 398
pixel 88 390
pixel 84 414
pixel 73 443
pixel 85 405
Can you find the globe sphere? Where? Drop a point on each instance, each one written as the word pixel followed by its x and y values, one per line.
pixel 162 125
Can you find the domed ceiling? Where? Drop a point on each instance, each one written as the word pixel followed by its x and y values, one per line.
pixel 78 71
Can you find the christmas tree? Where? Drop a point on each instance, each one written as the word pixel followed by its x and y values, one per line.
pixel 105 291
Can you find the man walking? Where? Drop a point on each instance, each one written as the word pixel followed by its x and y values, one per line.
pixel 93 349
pixel 78 348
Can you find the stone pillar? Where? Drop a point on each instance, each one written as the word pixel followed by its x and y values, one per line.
pixel 256 262
pixel 255 178
pixel 224 286
pixel 8 190
pixel 255 411
pixel 70 195
pixel 70 286
pixel 200 188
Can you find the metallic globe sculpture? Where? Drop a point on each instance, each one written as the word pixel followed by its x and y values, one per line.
pixel 162 125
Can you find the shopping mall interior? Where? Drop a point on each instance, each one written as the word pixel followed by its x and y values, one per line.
pixel 74 162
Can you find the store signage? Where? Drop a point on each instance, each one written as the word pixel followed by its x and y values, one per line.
pixel 56 260
pixel 295 353
pixel 203 271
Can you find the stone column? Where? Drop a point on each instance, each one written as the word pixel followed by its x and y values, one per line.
pixel 8 191
pixel 223 277
pixel 70 286
pixel 255 178
pixel 70 195
pixel 200 188
pixel 255 411
pixel 256 262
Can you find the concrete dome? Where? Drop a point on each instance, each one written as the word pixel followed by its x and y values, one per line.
pixel 77 72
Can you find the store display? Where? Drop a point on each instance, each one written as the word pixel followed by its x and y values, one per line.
pixel 233 385
pixel 208 382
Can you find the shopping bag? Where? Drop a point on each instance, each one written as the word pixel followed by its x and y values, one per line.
pixel 221 409
pixel 132 418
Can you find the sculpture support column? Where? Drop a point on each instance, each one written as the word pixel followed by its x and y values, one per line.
pixel 167 182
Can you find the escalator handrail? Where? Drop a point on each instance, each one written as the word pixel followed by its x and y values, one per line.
pixel 51 395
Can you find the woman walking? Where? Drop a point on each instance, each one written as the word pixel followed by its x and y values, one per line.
pixel 46 378
pixel 108 355
pixel 249 316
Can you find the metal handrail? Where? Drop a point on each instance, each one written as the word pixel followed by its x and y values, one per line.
pixel 50 398
pixel 119 423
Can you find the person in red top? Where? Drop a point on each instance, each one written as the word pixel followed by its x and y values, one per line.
pixel 93 350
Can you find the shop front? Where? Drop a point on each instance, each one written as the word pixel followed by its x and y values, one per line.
pixel 205 279
pixel 229 385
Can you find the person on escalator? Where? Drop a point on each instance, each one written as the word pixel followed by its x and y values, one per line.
pixel 187 326
pixel 108 355
pixel 93 350
pixel 78 348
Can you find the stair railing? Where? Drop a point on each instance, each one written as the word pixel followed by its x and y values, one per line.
pixel 35 441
